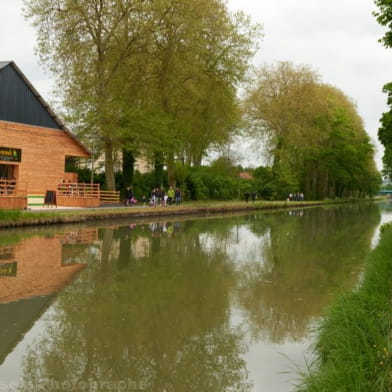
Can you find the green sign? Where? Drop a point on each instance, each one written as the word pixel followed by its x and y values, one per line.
pixel 10 154
pixel 8 269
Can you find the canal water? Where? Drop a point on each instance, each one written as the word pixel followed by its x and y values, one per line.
pixel 215 304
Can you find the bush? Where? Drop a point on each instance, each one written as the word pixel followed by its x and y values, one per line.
pixel 205 184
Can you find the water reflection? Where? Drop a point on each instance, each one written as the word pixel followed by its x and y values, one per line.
pixel 155 320
pixel 37 265
pixel 175 306
pixel 308 258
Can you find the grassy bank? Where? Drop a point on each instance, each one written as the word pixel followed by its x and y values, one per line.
pixel 354 346
pixel 9 218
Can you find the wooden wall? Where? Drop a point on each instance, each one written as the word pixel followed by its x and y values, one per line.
pixel 13 203
pixel 43 155
pixel 74 201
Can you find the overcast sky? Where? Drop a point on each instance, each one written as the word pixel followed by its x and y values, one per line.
pixel 337 38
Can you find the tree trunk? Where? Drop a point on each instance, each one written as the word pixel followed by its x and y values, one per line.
pixel 109 166
pixel 171 173
pixel 197 158
pixel 128 162
pixel 158 169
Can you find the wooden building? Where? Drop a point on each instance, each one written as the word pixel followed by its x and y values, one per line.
pixel 34 144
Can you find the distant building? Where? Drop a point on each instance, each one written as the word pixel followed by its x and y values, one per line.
pixel 246 176
pixel 34 142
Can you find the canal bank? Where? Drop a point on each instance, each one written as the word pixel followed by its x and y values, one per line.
pixel 353 351
pixel 52 215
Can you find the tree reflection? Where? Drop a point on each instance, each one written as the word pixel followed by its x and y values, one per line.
pixel 308 258
pixel 156 323
pixel 155 311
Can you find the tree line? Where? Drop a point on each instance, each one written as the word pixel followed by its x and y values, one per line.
pixel 161 79
pixel 384 17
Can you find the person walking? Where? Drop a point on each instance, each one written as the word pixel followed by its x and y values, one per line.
pixel 128 196
pixel 177 196
pixel 170 195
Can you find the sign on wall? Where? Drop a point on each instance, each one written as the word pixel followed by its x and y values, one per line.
pixel 10 154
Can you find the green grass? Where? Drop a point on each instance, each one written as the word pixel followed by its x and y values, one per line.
pixel 354 346
pixel 9 218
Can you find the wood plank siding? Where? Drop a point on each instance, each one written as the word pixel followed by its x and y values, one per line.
pixel 34 142
pixel 44 150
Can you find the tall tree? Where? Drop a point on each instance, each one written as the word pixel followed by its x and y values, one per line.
pixel 384 17
pixel 85 44
pixel 157 76
pixel 281 105
pixel 202 53
pixel 316 138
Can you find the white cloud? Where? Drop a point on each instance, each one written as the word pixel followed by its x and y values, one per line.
pixel 17 42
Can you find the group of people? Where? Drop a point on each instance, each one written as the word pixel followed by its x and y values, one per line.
pixel 297 196
pixel 250 196
pixel 66 187
pixel 157 197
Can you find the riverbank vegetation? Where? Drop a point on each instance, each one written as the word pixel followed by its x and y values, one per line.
pixel 354 346
pixel 10 218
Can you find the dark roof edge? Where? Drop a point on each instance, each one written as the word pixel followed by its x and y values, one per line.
pixel 46 106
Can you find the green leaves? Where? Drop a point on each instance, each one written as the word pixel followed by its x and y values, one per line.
pixel 156 75
pixel 384 17
pixel 317 140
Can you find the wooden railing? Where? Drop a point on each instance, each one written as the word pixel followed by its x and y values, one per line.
pixel 109 197
pixel 76 189
pixel 7 187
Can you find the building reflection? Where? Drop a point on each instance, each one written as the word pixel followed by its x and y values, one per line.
pixel 39 269
pixel 32 271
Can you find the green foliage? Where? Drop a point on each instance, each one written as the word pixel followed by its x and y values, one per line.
pixel 159 77
pixel 223 166
pixel 384 17
pixel 315 136
pixel 197 189
pixel 385 132
pixel 204 183
pixel 181 173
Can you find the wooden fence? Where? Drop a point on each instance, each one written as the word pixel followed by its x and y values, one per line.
pixel 109 197
pixel 80 190
pixel 87 190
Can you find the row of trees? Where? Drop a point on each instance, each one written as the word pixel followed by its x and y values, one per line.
pixel 146 76
pixel 161 79
pixel 313 134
